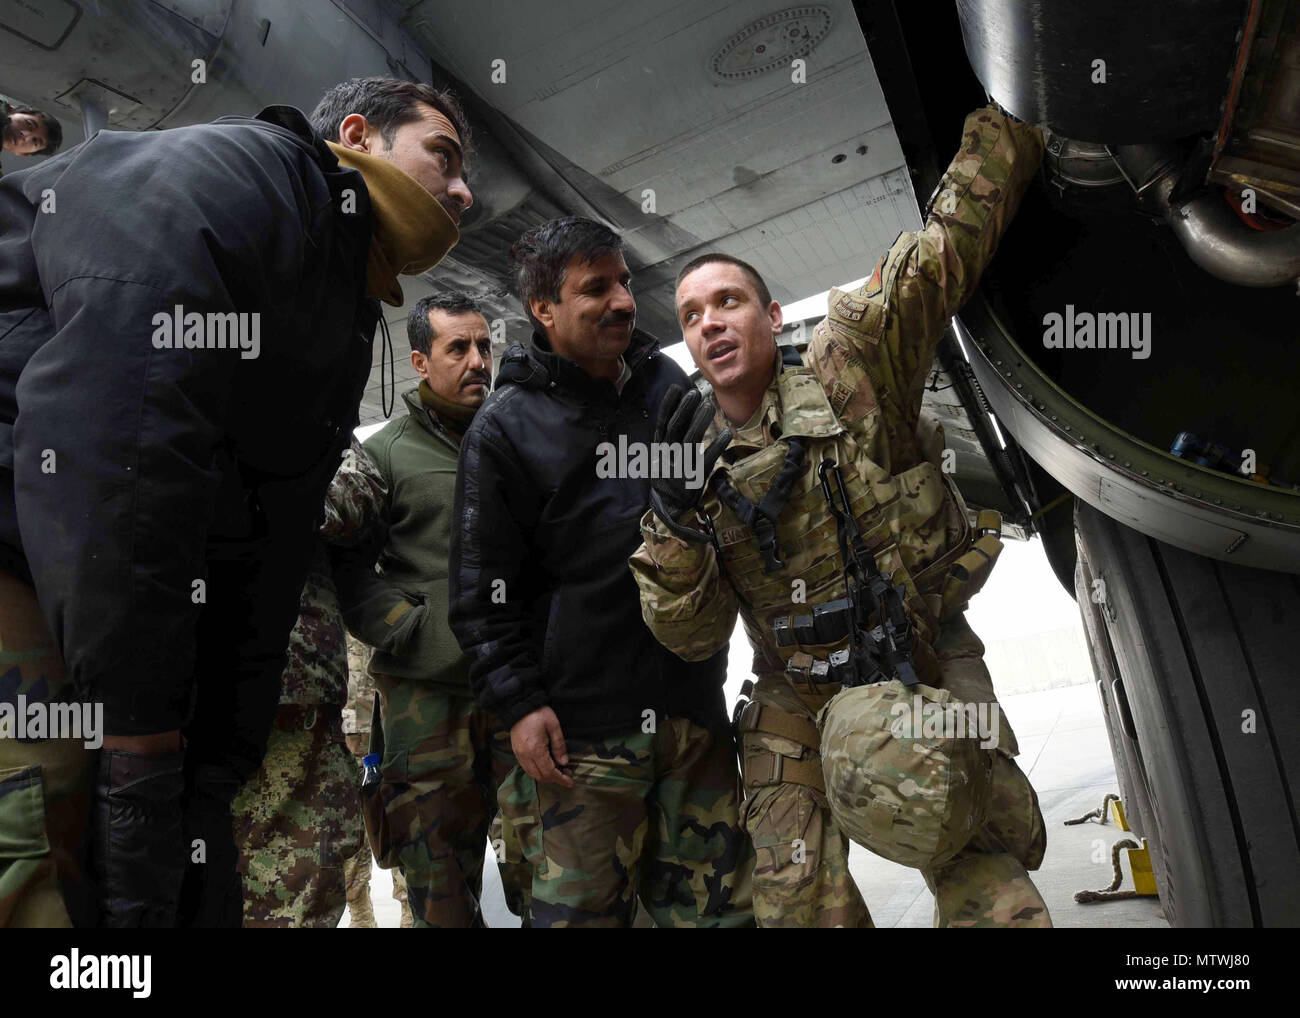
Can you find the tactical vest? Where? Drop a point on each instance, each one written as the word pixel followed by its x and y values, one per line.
pixel 914 523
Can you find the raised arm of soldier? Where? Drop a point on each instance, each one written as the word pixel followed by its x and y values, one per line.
pixel 888 329
pixel 872 354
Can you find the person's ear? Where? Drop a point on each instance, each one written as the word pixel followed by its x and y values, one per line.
pixel 778 318
pixel 543 310
pixel 420 362
pixel 355 133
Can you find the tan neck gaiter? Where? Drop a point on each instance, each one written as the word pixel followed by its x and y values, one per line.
pixel 411 231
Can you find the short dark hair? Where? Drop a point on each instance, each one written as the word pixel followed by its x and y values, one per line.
pixel 387 104
pixel 760 287
pixel 542 256
pixel 53 129
pixel 418 328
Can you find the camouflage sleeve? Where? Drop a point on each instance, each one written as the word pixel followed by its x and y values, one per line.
pixel 685 600
pixel 891 325
pixel 356 500
pixel 355 528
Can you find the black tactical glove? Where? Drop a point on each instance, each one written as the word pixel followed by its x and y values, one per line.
pixel 683 421
pixel 138 848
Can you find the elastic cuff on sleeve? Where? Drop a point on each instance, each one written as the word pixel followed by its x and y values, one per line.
pixel 517 709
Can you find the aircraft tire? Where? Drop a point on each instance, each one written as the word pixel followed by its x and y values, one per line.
pixel 1205 715
pixel 1133 790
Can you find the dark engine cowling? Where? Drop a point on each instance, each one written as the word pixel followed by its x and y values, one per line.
pixel 1164 67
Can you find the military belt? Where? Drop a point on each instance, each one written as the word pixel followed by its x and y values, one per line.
pixel 307 717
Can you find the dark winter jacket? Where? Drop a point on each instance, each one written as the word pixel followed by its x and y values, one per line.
pixel 542 596
pixel 162 493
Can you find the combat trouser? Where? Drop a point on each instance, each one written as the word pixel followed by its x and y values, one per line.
pixel 651 815
pixel 801 867
pixel 45 785
pixel 356 729
pixel 801 877
pixel 356 883
pixel 297 821
pixel 444 758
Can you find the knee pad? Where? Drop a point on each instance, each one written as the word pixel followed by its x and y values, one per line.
pixel 913 799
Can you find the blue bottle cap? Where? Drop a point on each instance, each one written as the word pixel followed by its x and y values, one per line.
pixel 370 760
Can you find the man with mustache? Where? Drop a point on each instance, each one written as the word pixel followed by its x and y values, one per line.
pixel 25 131
pixel 443 755
pixel 627 783
pixel 159 492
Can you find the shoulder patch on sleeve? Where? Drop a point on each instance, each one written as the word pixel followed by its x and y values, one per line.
pixel 855 316
pixel 849 308
pixel 873 284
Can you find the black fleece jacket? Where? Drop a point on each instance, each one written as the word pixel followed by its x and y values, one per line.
pixel 541 594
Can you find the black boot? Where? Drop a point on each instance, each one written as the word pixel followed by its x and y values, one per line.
pixel 137 843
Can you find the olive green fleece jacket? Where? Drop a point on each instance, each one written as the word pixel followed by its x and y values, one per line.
pixel 394 590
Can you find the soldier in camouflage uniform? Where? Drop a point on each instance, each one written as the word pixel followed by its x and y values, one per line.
pixel 854 399
pixel 444 756
pixel 627 783
pixel 298 819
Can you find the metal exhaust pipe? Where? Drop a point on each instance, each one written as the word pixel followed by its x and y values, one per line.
pixel 1212 234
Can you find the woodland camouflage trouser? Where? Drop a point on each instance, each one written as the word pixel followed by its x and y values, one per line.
pixel 45 785
pixel 444 758
pixel 801 877
pixel 654 815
